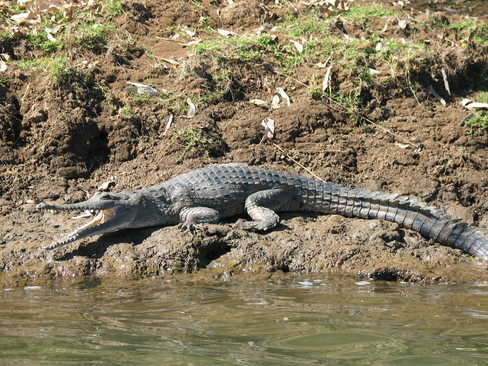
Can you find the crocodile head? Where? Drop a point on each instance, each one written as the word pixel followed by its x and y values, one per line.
pixel 116 211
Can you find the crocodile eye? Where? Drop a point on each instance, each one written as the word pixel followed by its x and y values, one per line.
pixel 113 197
pixel 106 196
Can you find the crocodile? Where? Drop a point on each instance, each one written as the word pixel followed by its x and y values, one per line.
pixel 206 195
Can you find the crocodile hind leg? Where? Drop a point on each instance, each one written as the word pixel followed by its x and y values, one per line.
pixel 261 206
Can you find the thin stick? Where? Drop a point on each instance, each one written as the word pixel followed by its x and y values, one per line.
pixel 380 127
pixel 385 130
pixel 411 88
pixel 296 162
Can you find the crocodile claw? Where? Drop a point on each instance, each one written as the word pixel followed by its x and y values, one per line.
pixel 192 228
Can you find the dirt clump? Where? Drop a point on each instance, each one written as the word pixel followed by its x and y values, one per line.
pixel 68 123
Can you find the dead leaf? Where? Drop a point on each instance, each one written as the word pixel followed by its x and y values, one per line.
pixel 23 18
pixel 403 24
pixel 226 33
pixel 141 89
pixel 469 104
pixel 3 66
pixel 105 186
pixel 17 33
pixel 192 109
pixel 285 96
pixel 259 102
pixel 275 103
pixel 169 61
pixel 54 29
pixel 364 46
pixel 168 124
pixel 402 146
pixel 446 82
pixel 434 93
pixel 188 32
pixel 192 43
pixel 269 129
pixel 50 37
pixel 326 82
pixel 88 65
pixel 298 46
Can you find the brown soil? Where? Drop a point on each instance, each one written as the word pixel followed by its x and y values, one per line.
pixel 60 141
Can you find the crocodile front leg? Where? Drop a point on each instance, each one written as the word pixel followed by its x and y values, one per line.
pixel 192 216
pixel 261 206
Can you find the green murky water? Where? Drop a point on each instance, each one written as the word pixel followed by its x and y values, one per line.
pixel 296 321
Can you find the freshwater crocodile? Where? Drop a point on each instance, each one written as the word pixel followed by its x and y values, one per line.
pixel 205 195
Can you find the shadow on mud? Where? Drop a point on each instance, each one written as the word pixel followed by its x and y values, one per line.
pixel 97 249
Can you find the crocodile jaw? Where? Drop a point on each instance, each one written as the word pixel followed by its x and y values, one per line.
pixel 91 228
pixel 115 211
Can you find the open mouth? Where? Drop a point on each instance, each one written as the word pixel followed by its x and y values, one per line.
pixel 93 227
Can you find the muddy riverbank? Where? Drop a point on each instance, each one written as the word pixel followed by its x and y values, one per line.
pixel 69 123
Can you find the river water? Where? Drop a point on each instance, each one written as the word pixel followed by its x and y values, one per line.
pixel 293 320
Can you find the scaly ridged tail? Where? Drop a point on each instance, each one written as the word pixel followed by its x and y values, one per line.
pixel 431 222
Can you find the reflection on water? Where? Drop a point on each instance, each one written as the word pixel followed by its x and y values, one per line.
pixel 299 321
